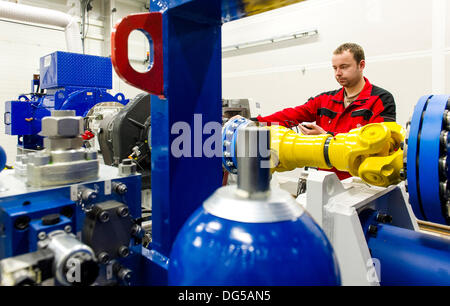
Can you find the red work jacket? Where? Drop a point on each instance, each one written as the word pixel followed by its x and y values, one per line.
pixel 373 104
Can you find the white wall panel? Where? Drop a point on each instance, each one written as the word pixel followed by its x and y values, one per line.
pixel 447 81
pixel 380 26
pixel 448 23
pixel 396 36
pixel 407 80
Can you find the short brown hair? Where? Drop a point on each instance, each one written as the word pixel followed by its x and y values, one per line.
pixel 355 49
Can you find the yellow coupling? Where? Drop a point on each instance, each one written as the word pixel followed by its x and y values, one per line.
pixel 371 152
pixel 291 150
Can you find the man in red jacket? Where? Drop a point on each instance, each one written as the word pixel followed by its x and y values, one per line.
pixel 356 104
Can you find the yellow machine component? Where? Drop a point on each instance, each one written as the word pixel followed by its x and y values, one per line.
pixel 253 7
pixel 371 152
pixel 291 150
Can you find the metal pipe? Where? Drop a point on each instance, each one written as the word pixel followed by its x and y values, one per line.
pixel 253 158
pixel 39 15
pixel 434 228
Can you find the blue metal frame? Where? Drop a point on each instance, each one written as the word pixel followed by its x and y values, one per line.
pixel 192 85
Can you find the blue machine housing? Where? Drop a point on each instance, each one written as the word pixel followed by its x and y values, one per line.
pixel 214 251
pixel 64 69
pixel 73 82
pixel 22 209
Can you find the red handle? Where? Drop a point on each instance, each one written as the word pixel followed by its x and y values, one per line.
pixel 151 81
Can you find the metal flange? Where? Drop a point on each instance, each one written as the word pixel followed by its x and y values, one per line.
pixel 427 155
pixel 229 137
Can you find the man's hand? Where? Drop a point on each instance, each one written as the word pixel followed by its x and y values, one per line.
pixel 311 129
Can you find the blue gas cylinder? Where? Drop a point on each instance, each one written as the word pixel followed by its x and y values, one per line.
pixel 2 159
pixel 250 234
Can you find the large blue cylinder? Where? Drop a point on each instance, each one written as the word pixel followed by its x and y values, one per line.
pixel 210 250
pixel 410 258
pixel 2 159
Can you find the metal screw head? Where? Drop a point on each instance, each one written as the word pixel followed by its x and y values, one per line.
pixel 125 274
pixel 68 228
pixel 135 230
pixel 88 195
pixel 123 251
pixel 42 235
pixel 447 119
pixel 120 188
pixel 373 229
pixel 384 218
pixel 443 166
pixel 123 211
pixel 443 138
pixel 103 257
pixel 103 216
pixel 443 189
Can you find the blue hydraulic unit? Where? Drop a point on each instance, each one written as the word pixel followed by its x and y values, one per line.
pixel 67 81
pixel 61 208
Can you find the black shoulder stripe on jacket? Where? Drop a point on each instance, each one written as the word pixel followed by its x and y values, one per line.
pixel 389 111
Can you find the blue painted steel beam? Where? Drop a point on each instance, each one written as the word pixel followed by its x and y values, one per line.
pixel 192 85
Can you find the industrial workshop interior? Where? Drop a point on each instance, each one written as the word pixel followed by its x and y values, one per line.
pixel 224 143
